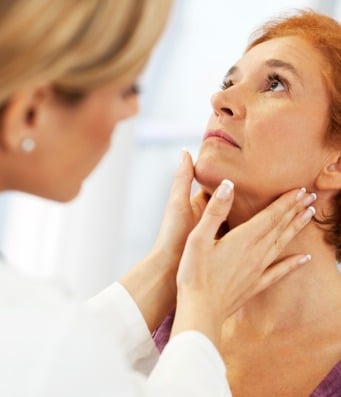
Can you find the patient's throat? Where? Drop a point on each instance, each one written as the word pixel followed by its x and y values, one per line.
pixel 278 366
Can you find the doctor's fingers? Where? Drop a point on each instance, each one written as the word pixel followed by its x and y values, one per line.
pixel 283 218
pixel 278 270
pixel 279 223
pixel 198 203
pixel 182 183
pixel 278 242
pixel 215 212
pixel 268 232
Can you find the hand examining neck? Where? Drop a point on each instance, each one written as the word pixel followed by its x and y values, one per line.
pixel 285 303
pixel 216 277
pixel 152 282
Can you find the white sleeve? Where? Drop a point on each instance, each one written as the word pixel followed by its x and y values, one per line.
pixel 86 361
pixel 54 349
pixel 122 316
pixel 189 365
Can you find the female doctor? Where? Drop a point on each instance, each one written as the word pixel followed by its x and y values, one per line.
pixel 68 74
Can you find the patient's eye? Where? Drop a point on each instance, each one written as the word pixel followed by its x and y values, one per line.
pixel 226 84
pixel 275 83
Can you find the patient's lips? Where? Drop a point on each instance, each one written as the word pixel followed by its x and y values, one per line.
pixel 221 136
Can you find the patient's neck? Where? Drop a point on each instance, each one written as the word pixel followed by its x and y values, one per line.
pixel 303 296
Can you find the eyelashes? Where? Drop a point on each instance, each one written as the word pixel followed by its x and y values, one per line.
pixel 133 90
pixel 226 84
pixel 274 82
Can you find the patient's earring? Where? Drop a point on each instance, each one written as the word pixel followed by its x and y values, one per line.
pixel 27 145
pixel 336 166
pixel 332 167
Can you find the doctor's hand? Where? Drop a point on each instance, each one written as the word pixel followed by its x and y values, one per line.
pixel 181 215
pixel 216 277
pixel 152 282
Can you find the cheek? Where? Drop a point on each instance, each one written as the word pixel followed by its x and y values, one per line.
pixel 286 134
pixel 99 128
pixel 287 151
pixel 98 125
pixel 103 120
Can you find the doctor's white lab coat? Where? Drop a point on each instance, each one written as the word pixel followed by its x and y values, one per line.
pixel 53 347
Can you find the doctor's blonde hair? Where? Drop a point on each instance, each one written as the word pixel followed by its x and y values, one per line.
pixel 75 45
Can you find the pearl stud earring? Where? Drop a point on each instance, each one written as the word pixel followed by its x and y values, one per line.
pixel 27 145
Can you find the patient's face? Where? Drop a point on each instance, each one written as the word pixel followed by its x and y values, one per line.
pixel 271 116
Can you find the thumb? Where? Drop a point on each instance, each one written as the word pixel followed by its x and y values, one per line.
pixel 216 210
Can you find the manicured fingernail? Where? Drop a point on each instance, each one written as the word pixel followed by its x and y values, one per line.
pixel 224 190
pixel 183 154
pixel 305 259
pixel 308 214
pixel 310 199
pixel 300 194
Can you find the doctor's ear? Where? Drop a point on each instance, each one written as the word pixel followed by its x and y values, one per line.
pixel 330 176
pixel 19 130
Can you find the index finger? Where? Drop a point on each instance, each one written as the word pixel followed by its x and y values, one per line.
pixel 275 218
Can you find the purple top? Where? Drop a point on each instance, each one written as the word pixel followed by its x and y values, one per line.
pixel 329 387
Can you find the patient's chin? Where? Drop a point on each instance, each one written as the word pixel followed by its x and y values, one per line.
pixel 207 175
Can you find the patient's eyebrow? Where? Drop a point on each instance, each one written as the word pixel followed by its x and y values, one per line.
pixel 232 70
pixel 271 63
pixel 278 63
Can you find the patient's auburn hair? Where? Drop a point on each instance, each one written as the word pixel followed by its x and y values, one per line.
pixel 324 33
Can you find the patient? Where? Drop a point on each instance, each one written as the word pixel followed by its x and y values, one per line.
pixel 276 125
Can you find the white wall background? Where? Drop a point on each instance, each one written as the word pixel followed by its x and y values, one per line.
pixel 91 241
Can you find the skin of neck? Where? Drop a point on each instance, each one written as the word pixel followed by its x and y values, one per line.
pixel 303 296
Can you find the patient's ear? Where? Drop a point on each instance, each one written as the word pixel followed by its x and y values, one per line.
pixel 329 177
